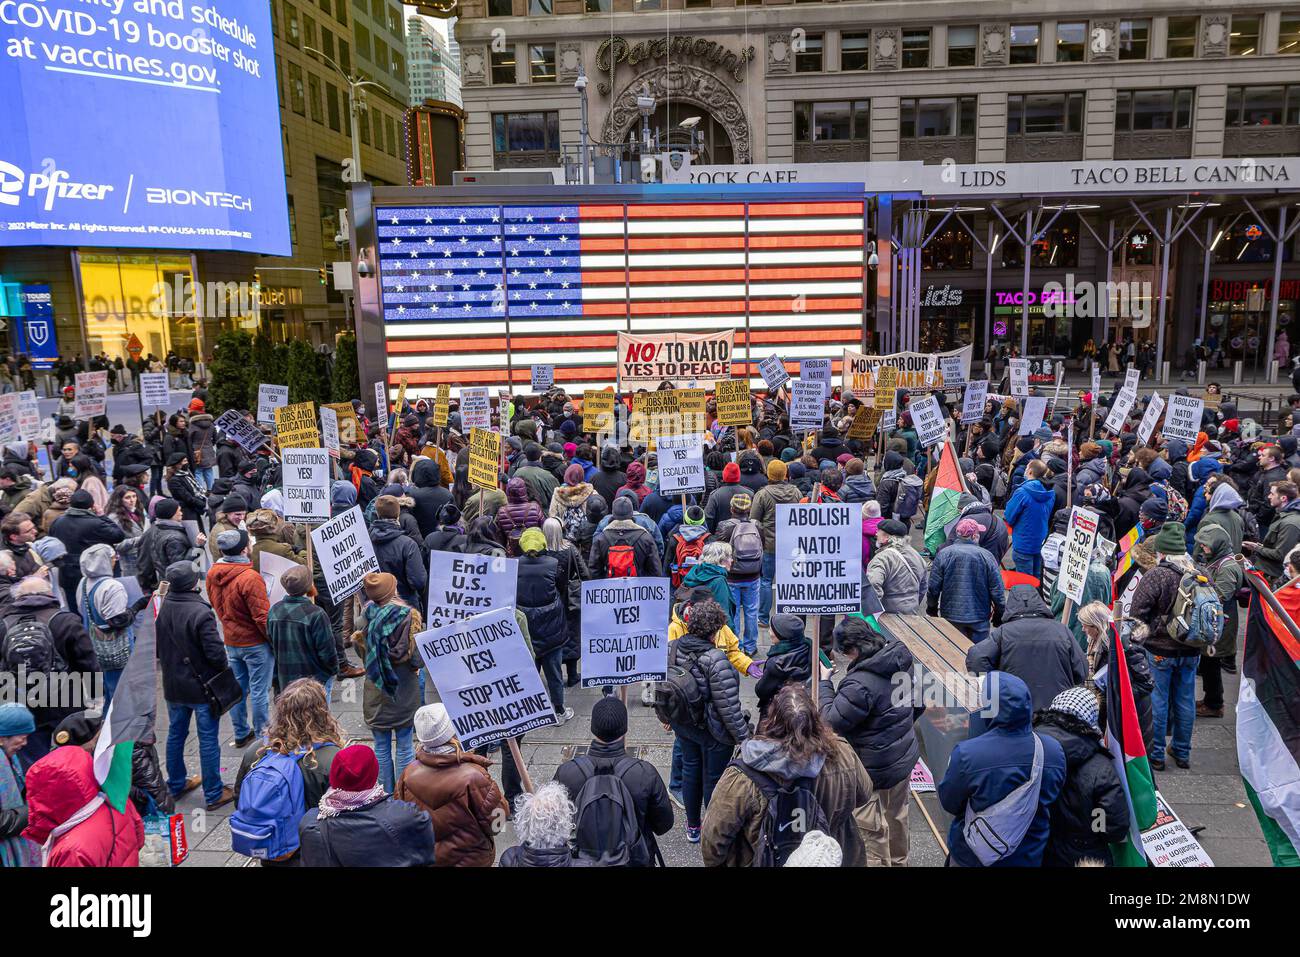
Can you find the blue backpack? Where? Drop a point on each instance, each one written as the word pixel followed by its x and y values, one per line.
pixel 271 803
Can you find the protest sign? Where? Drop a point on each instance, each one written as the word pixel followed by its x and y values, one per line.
pixel 349 427
pixel 625 630
pixel 486 677
pixel 888 420
pixel 1119 411
pixel 864 422
pixel 400 404
pixel 543 377
pixel 807 406
pixel 922 781
pixel 381 406
pixel 345 553
pixel 1079 538
pixel 927 418
pixel 442 406
pixel 682 358
pixel 952 370
pixel 1019 369
pixel 655 414
pixel 484 458
pixel 270 398
pixel 295 426
pixel 1125 601
pixel 681 464
pixel 731 397
pixel 598 410
pixel 29 416
pixel 972 408
pixel 240 431
pixel 306 477
pixel 461 586
pixel 818 559
pixel 773 371
pixel 92 394
pixel 271 566
pixel 1183 418
pixel 155 392
pixel 816 370
pixel 1168 842
pixel 886 392
pixel 1096 381
pixel 329 430
pixel 475 408
pixel 1131 378
pixel 1032 413
pixel 931 372
pixel 693 405
pixel 1150 417
pixel 9 417
pixel 861 371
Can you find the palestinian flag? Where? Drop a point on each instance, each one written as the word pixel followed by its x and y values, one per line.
pixel 1127 750
pixel 944 506
pixel 129 719
pixel 1268 724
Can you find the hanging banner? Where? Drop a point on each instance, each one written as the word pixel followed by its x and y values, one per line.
pixel 1150 417
pixel 1183 419
pixel 625 630
pixel 1079 538
pixel 484 458
pixel 543 377
pixel 345 553
pixel 475 408
pixel 972 407
pixel 240 431
pixel 927 419
pixel 732 401
pixel 295 426
pixel 461 586
pixel 1019 371
pixel 682 358
pixel 92 395
pixel 1031 416
pixel 818 559
pixel 442 406
pixel 681 464
pixel 807 406
pixel 270 398
pixel 306 477
pixel 156 393
pixel 860 370
pixel 598 410
pixel 773 371
pixel 329 430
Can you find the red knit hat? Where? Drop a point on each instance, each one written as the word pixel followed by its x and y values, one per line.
pixel 731 472
pixel 355 768
pixel 196 405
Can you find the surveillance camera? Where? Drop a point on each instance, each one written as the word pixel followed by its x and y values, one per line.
pixel 339 239
pixel 689 123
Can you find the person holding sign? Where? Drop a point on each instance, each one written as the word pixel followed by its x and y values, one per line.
pixel 397 552
pixel 542 593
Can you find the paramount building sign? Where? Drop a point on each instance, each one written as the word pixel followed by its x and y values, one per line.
pixel 617 50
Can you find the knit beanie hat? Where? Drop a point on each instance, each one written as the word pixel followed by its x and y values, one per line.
pixel 1080 703
pixel 433 725
pixel 776 471
pixel 15 719
pixel 379 587
pixel 81 499
pixel 386 506
pixel 817 849
pixel 532 541
pixel 731 473
pixel 969 528
pixel 740 503
pixel 694 515
pixel 789 455
pixel 296 581
pixel 355 768
pixel 233 503
pixel 166 508
pixel 233 542
pixel 609 719
pixel 622 507
pixel 1172 539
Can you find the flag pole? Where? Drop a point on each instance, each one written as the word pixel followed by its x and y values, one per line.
pixel 1264 592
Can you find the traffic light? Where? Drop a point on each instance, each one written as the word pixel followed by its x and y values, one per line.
pixel 322 275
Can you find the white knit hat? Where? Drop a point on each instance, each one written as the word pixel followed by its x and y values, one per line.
pixel 433 725
pixel 817 850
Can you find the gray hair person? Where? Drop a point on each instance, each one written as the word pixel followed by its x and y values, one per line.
pixel 544 823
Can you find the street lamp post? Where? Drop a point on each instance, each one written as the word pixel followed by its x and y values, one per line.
pixel 580 84
pixel 356 103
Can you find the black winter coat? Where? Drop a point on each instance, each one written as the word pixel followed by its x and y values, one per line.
pixel 542 594
pixel 719 684
pixel 185 489
pixel 781 669
pixel 654 809
pixel 401 558
pixel 1091 785
pixel 428 493
pixel 78 529
pixel 718 507
pixel 187 628
pixel 129 452
pixel 165 541
pixel 70 641
pixel 607 481
pixel 444 540
pixel 388 833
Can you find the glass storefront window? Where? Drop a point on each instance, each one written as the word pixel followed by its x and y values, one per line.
pixel 138 301
pixel 951 249
pixel 1056 248
pixel 1247 243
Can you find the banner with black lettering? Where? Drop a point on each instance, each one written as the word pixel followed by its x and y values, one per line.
pixel 465 585
pixel 952 371
pixel 625 630
pixel 682 358
pixel 818 559
pixel 345 552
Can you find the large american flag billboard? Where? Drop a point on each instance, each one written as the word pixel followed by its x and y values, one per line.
pixel 474 293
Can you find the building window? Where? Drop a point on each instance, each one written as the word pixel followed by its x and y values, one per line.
pixel 293 243
pixel 291 19
pixel 503 66
pixel 297 99
pixel 327 43
pixel 525 132
pixel 1044 113
pixel 1057 247
pixel 809 59
pixel 362 37
pixel 698 3
pixel 341 12
pixel 541 62
pixel 834 120
pixel 309 34
pixel 1137 110
pixel 364 125
pixel 916 49
pixel 937 116
pixel 379 130
pixel 1181 43
pixel 500 8
pixel 332 106
pixel 345 56
pixel 1263 106
pixel 1024 42
pixel 313 98
pixel 962 43
pixel 382 60
pixel 395 21
pixel 854 49
pixel 1134 37
pixel 1245 35
pixel 284 143
pixel 648 5
pixel 394 146
pixel 600 6
pixel 1071 42
pixel 1288 34
pixel 539 8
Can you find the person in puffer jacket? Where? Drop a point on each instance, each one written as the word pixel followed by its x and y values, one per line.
pixel 1201 472
pixel 752 471
pixel 519 514
pixel 610 477
pixel 1028 513
pixel 858 486
pixel 965 583
pixel 994 538
pixel 397 553
pixel 429 494
pixel 61 786
pixel 542 590
pixel 620 528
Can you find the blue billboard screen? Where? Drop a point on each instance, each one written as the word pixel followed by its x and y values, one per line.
pixel 141 123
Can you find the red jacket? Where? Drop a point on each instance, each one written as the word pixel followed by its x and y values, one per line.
pixel 59 785
pixel 238 596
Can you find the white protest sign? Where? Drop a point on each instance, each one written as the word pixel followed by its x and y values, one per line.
pixel 807 405
pixel 486 678
pixel 681 463
pixel 1119 411
pixel 818 559
pixel 1131 377
pixel 1168 842
pixel 29 417
pixel 461 586
pixel 240 431
pixel 972 407
pixel 931 371
pixel 773 371
pixel 816 370
pixel 927 417
pixel 1150 417
pixel 1096 381
pixel 1031 416
pixel 1079 538
pixel 1125 600
pixel 345 552
pixel 9 417
pixel 154 390
pixel 271 566
pixel 625 630
pixel 888 419
pixel 306 477
pixel 475 408
pixel 953 370
pixel 543 377
pixel 92 394
pixel 381 405
pixel 1183 419
pixel 1019 377
pixel 329 431
pixel 270 398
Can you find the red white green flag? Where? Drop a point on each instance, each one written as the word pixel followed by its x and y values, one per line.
pixel 1124 738
pixel 945 499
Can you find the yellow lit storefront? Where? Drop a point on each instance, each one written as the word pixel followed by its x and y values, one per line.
pixel 138 303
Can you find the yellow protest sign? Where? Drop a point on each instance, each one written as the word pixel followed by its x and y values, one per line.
pixel 692 405
pixel 654 414
pixel 733 402
pixel 401 401
pixel 598 410
pixel 484 458
pixel 442 406
pixel 295 426
pixel 886 387
pixel 349 427
pixel 864 423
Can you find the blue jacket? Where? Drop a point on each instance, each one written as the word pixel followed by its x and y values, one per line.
pixel 588 468
pixel 1029 513
pixel 965 583
pixel 1202 469
pixel 984 769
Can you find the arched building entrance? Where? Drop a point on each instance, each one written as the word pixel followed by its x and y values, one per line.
pixel 682 91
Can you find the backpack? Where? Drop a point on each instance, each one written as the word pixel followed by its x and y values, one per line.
pixel 272 800
pixel 679 698
pixel 792 811
pixel 999 490
pixel 571 521
pixel 746 548
pixel 1197 616
pixel 112 648
pixel 907 499
pixel 621 562
pixel 607 833
pixel 686 554
pixel 29 643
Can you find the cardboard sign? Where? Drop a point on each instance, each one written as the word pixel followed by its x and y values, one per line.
pixel 9 417
pixel 271 566
pixel 442 406
pixel 655 414
pixel 486 678
pixel 864 422
pixel 92 394
pixel 681 464
pixel 598 410
pixel 818 559
pixel 1079 538
pixel 240 431
pixel 807 406
pixel 306 477
pixel 484 458
pixel 861 371
pixel 1119 411
pixel 625 630
pixel 329 430
pixel 400 404
pixel 1183 418
pixel 927 417
pixel 693 406
pixel 270 398
pixel 1019 369
pixel 888 420
pixel 682 358
pixel 773 371
pixel 816 370
pixel 29 416
pixel 1032 413
pixel 475 408
pixel 295 426
pixel 543 377
pixel 1150 417
pixel 732 400
pixel 885 396
pixel 972 407
pixel 931 372
pixel 345 553
pixel 461 586
pixel 381 406
pixel 952 370
pixel 1168 842
pixel 155 391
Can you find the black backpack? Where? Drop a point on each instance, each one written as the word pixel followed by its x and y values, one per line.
pixel 678 698
pixel 792 811
pixel 607 833
pixel 29 642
